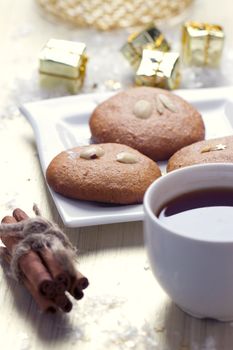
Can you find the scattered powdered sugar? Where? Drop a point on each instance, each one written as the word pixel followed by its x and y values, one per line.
pixel 101 320
pixel 24 341
pixel 25 30
pixel 204 77
pixel 146 265
pixel 127 336
pixel 9 201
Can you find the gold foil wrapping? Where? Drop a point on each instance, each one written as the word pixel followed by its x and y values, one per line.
pixel 159 69
pixel 202 44
pixel 63 62
pixel 52 82
pixel 150 38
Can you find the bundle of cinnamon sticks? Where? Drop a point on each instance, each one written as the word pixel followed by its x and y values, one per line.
pixel 48 274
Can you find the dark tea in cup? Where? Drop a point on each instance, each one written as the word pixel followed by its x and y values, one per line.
pixel 200 212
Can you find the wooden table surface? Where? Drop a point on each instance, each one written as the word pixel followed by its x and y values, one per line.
pixel 124 307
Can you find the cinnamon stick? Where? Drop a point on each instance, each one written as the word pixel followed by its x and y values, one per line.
pixel 72 283
pixel 61 277
pixel 82 281
pixel 31 265
pixel 20 215
pixel 77 293
pixel 63 302
pixel 43 272
pixel 78 283
pixel 44 304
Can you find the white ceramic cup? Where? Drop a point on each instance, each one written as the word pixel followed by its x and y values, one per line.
pixel 195 271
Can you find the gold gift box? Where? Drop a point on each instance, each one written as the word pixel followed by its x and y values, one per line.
pixel 159 69
pixel 64 62
pixel 53 82
pixel 150 38
pixel 202 44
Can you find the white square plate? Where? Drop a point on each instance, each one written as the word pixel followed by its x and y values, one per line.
pixel 62 123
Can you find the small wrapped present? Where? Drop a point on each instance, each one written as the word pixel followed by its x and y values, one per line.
pixel 63 62
pixel 150 38
pixel 202 44
pixel 159 69
pixel 54 82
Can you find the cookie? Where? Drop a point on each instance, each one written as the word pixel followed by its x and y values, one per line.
pixel 110 173
pixel 218 150
pixel 154 121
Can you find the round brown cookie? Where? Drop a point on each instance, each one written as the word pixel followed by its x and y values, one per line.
pixel 218 150
pixel 110 173
pixel 154 121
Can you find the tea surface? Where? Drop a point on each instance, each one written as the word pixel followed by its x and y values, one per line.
pixel 201 214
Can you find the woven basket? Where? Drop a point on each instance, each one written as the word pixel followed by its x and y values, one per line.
pixel 111 14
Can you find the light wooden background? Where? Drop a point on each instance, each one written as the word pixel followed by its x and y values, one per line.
pixel 124 308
